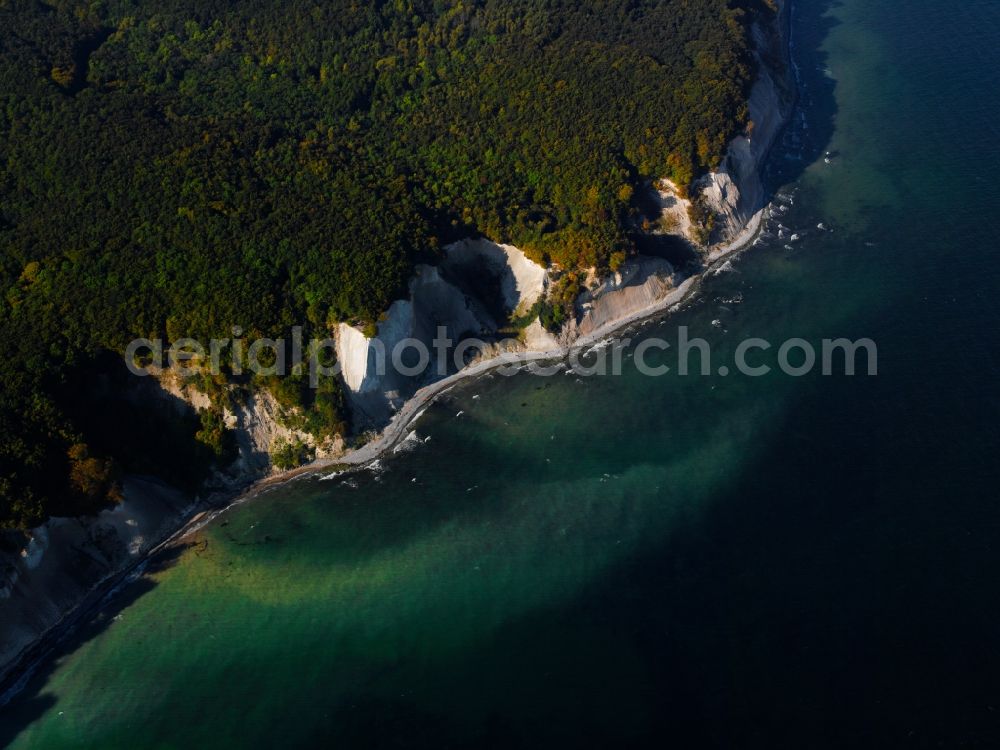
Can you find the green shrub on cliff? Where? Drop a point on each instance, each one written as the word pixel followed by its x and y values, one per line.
pixel 177 168
pixel 291 454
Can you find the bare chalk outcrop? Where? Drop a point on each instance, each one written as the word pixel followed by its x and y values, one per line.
pixel 735 192
pixel 46 577
pixel 522 281
pixel 640 283
pixel 54 571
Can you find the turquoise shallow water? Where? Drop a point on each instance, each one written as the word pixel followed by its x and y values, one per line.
pixel 633 561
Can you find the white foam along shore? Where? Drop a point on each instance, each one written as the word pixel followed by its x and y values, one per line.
pixel 403 421
pixel 407 415
pixel 202 513
pixel 752 157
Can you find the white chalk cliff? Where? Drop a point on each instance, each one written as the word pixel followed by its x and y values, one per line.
pixel 522 281
pixel 66 558
pixel 735 191
pixel 437 301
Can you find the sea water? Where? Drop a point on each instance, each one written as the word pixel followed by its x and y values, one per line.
pixel 630 561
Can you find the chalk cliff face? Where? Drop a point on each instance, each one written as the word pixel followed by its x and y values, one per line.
pixel 640 283
pixel 439 299
pixel 735 192
pixel 522 282
pixel 376 387
pixel 259 426
pixel 46 575
pixel 257 421
pixel 50 572
pixel 359 356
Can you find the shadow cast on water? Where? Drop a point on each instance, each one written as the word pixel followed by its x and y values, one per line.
pixel 805 605
pixel 30 702
pixel 802 143
pixel 806 137
pixel 816 604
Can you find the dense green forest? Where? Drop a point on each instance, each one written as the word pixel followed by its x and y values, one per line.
pixel 175 168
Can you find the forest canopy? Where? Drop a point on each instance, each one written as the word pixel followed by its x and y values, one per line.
pixel 175 168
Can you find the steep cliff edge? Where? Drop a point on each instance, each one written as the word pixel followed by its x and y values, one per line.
pixel 477 288
pixel 47 574
pixel 45 577
pixel 475 292
pixel 735 192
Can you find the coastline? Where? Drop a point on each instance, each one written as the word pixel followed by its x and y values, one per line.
pixel 15 674
pixel 413 409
